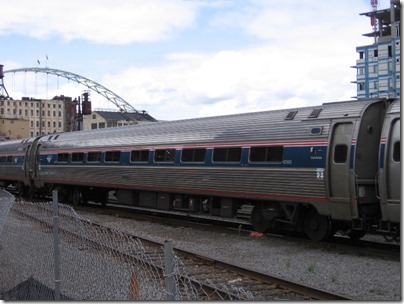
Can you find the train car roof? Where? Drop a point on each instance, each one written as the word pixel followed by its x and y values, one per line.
pixel 394 107
pixel 258 126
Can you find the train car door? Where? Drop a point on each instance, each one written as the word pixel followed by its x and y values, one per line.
pixel 393 164
pixel 26 166
pixel 31 163
pixel 339 170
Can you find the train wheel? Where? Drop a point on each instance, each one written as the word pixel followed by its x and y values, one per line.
pixel 75 197
pixel 22 190
pixel 316 226
pixel 258 221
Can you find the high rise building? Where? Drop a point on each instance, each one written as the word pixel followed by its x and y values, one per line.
pixel 378 65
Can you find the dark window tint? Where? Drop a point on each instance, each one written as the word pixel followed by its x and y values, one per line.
pixel 266 154
pixel 94 156
pixel 112 156
pixel 9 159
pixel 164 155
pixel 3 159
pixel 139 156
pixel 226 154
pixel 77 157
pixel 340 154
pixel 193 155
pixel 397 152
pixel 62 157
pixel 315 113
pixel 291 115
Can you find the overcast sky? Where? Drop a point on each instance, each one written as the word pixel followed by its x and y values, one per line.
pixel 188 58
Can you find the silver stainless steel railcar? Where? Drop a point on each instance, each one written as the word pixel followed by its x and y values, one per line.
pixel 313 169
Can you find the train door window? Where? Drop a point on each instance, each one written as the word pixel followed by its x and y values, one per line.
pixel 164 155
pixel 77 157
pixel 340 154
pixel 94 156
pixel 62 157
pixel 266 154
pixel 139 156
pixel 193 155
pixel 397 152
pixel 112 156
pixel 227 154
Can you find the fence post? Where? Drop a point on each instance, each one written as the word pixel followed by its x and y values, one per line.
pixel 134 286
pixel 169 270
pixel 56 251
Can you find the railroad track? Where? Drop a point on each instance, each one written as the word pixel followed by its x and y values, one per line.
pixel 211 277
pixel 380 248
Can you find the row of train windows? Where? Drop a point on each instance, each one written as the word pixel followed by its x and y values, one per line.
pixel 6 159
pixel 257 154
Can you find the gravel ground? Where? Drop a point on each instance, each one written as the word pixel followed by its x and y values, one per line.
pixel 359 277
pixel 356 276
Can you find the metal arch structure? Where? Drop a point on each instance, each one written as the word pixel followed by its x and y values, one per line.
pixel 118 101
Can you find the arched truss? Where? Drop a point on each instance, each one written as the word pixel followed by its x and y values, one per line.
pixel 118 101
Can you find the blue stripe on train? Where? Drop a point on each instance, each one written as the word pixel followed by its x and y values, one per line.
pixel 293 157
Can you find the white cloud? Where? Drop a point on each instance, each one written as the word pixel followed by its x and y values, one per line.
pixel 300 62
pixel 100 21
pixel 302 57
pixel 231 81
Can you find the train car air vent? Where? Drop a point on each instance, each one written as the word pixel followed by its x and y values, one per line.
pixel 291 115
pixel 315 113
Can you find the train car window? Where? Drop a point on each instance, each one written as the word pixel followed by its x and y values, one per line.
pixel 315 113
pixel 139 156
pixel 9 159
pixel 62 157
pixel 94 156
pixel 340 154
pixel 316 131
pixel 3 159
pixel 227 154
pixel 112 156
pixel 77 157
pixel 266 154
pixel 164 155
pixel 291 115
pixel 193 155
pixel 397 152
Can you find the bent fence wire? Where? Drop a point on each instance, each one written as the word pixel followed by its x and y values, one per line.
pixel 84 261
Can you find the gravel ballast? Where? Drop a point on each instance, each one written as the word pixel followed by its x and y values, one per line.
pixel 353 275
pixel 359 277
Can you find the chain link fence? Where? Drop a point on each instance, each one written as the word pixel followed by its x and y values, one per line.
pixel 47 252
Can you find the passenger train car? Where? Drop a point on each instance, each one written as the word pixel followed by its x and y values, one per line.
pixel 315 169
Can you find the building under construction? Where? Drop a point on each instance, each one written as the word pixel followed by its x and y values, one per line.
pixel 378 65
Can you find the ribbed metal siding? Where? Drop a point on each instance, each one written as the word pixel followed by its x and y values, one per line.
pixel 261 126
pixel 257 183
pixel 11 147
pixel 394 107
